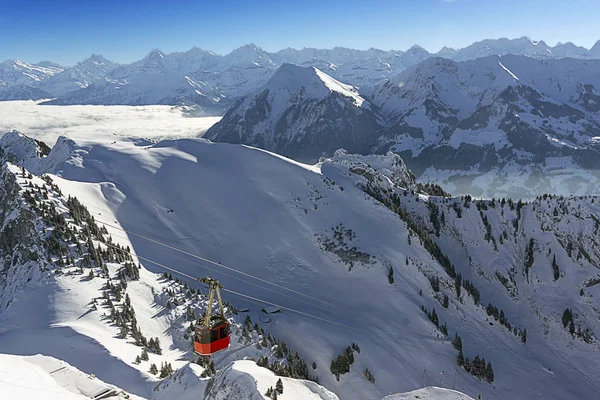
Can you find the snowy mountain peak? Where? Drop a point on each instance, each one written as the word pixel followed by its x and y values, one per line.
pixel 15 72
pixel 444 51
pixel 97 58
pixel 96 64
pixel 415 48
pixel 300 112
pixel 595 50
pixel 249 54
pixel 155 54
pixel 50 64
pixel 315 83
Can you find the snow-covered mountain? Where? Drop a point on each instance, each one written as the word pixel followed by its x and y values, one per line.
pixel 302 113
pixel 15 73
pixel 149 89
pixel 156 79
pixel 95 308
pixel 247 67
pixel 466 125
pixel 496 126
pixel 22 92
pixel 394 276
pixel 159 63
pixel 237 80
pixel 91 70
pixel 490 47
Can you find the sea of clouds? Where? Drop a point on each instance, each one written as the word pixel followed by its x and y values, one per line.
pixel 91 123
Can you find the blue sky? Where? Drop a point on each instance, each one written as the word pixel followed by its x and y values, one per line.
pixel 67 31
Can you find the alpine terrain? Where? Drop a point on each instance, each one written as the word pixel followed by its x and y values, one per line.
pixel 494 126
pixel 313 223
pixel 344 279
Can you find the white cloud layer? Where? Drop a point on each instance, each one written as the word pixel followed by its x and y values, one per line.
pixel 88 123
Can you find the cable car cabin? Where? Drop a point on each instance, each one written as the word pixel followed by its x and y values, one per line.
pixel 212 332
pixel 210 340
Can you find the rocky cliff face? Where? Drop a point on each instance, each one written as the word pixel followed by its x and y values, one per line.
pixel 20 243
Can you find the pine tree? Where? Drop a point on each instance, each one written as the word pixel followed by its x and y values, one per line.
pixel 572 327
pixel 144 356
pixel 460 358
pixel 467 364
pixel 566 317
pixel 123 332
pixel 457 284
pixel 489 373
pixel 279 386
pixel 446 301
pixel 137 360
pixel 153 369
pixel 314 365
pixel 157 348
pixel 555 268
pixel 457 342
pixel 165 370
pixel 390 275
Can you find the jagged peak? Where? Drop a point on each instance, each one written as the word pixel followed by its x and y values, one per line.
pixel 248 48
pixel 155 53
pixel 416 48
pixel 195 50
pixel 447 49
pixel 97 57
pixel 294 77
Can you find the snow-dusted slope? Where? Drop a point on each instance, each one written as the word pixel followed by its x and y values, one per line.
pixel 300 112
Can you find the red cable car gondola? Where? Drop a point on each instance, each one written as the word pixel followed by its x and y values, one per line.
pixel 212 334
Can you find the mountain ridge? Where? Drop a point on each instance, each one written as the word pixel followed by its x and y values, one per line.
pixel 360 68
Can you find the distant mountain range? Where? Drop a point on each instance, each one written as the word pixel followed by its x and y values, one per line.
pixel 213 82
pixel 494 126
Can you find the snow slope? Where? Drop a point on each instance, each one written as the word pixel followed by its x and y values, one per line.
pixel 70 308
pixel 244 380
pixel 28 377
pixel 284 231
pixel 429 393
